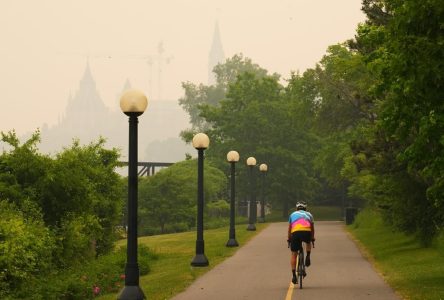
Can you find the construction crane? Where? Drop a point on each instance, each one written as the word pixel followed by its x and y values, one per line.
pixel 160 60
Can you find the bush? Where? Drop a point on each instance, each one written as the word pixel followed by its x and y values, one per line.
pixel 218 209
pixel 26 246
pixel 77 235
pixel 167 200
pixel 212 223
pixel 368 218
pixel 87 281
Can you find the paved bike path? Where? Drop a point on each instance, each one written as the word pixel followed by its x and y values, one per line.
pixel 261 270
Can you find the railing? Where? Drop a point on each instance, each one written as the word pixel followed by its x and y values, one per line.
pixel 148 168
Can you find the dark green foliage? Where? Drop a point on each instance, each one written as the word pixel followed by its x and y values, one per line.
pixel 87 280
pixel 25 247
pixel 409 136
pixel 262 119
pixel 168 200
pixel 365 125
pixel 218 209
pixel 55 212
pixel 380 111
pixel 84 177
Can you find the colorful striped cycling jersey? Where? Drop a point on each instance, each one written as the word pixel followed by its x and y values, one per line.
pixel 300 220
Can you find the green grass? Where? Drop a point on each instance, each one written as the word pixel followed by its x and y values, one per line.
pixel 171 273
pixel 326 213
pixel 320 213
pixel 413 271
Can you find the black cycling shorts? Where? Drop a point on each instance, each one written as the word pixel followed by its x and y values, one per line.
pixel 297 238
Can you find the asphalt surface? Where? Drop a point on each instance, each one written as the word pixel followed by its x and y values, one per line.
pixel 261 270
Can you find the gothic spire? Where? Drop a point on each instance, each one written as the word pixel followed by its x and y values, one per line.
pixel 87 76
pixel 216 54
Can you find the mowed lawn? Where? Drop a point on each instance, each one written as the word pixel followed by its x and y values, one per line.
pixel 320 213
pixel 171 273
pixel 413 271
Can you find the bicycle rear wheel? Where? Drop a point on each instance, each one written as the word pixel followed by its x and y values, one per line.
pixel 301 268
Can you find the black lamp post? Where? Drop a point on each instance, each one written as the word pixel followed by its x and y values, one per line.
pixel 251 162
pixel 233 158
pixel 200 142
pixel 263 168
pixel 133 103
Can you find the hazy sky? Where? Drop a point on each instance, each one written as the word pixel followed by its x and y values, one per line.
pixel 45 45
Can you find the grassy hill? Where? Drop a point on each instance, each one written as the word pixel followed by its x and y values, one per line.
pixel 413 271
pixel 171 272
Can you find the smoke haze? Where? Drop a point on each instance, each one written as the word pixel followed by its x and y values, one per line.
pixel 155 45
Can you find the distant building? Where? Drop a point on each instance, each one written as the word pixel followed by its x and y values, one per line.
pixel 87 118
pixel 216 54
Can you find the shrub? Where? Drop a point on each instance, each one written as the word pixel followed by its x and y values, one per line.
pixel 88 280
pixel 26 246
pixel 218 209
pixel 77 236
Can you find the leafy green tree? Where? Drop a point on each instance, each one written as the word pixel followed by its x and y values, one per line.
pixel 343 83
pixel 396 160
pixel 261 118
pixel 412 114
pixel 198 95
pixel 377 11
pixel 79 182
pixel 167 200
pixel 22 169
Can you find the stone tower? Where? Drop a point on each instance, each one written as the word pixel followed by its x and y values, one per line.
pixel 86 110
pixel 86 118
pixel 216 54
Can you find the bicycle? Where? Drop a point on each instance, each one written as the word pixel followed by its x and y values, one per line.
pixel 300 265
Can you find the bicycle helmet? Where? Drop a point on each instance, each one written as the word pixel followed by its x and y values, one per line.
pixel 301 205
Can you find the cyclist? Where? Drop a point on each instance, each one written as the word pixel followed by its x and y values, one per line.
pixel 300 229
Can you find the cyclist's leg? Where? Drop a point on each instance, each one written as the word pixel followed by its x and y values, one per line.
pixel 296 243
pixel 307 247
pixel 307 240
pixel 294 257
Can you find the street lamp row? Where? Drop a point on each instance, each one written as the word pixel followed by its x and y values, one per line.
pixel 233 158
pixel 133 103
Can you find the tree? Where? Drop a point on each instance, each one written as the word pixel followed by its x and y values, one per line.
pixel 84 177
pixel 343 83
pixel 167 200
pixel 22 169
pixel 198 95
pixel 412 114
pixel 397 159
pixel 260 118
pixel 334 104
pixel 79 184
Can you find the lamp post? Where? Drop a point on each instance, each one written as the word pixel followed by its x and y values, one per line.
pixel 263 168
pixel 133 103
pixel 200 142
pixel 251 162
pixel 233 158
